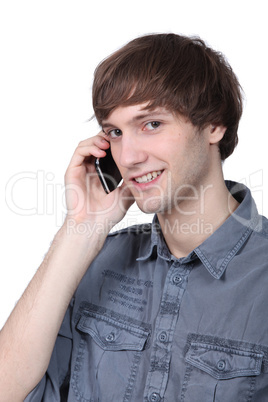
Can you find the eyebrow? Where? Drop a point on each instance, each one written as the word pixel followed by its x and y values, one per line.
pixel 139 117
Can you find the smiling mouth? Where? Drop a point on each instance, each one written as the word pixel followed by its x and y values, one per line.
pixel 148 177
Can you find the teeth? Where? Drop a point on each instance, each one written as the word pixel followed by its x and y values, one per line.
pixel 148 177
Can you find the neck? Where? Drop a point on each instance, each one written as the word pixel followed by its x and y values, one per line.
pixel 197 217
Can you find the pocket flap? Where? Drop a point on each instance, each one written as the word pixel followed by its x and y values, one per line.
pixel 113 335
pixel 224 363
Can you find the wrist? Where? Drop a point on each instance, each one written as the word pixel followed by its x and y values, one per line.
pixel 71 253
pixel 86 230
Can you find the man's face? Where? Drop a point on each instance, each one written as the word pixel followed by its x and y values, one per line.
pixel 162 158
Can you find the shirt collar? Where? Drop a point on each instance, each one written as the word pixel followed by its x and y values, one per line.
pixel 218 249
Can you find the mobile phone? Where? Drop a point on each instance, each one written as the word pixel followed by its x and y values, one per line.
pixel 108 172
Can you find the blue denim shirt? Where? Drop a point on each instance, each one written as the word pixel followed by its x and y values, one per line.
pixel 146 326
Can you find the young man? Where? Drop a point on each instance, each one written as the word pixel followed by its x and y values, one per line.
pixel 172 311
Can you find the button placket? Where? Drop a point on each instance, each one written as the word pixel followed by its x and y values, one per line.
pixel 164 330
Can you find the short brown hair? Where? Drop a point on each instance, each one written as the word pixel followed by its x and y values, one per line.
pixel 179 73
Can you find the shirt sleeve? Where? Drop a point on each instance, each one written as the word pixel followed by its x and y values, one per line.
pixel 54 385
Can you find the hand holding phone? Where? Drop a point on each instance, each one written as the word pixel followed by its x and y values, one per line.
pixel 108 172
pixel 85 200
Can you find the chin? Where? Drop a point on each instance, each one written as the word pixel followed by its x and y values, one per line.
pixel 153 206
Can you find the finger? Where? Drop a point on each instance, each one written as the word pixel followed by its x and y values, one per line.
pixel 100 139
pixel 95 146
pixel 80 155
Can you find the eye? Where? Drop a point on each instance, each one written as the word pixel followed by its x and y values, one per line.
pixel 115 133
pixel 152 125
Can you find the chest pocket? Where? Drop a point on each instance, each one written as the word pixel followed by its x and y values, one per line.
pixel 220 373
pixel 108 357
pixel 111 335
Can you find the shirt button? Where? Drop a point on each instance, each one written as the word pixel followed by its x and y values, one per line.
pixel 110 337
pixel 177 279
pixel 221 365
pixel 154 397
pixel 163 336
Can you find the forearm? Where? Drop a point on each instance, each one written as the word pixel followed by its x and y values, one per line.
pixel 28 338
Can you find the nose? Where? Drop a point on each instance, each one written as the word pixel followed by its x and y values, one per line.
pixel 132 152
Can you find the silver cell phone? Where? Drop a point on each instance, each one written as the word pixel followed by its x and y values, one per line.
pixel 108 172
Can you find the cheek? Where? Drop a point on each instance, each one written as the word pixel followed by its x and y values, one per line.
pixel 197 160
pixel 188 158
pixel 122 169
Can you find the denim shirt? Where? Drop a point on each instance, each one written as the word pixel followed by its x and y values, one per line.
pixel 146 326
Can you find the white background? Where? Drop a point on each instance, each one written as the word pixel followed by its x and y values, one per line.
pixel 49 50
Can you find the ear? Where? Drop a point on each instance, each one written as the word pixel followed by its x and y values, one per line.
pixel 216 133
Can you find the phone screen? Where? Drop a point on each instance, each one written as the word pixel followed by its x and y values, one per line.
pixel 108 172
